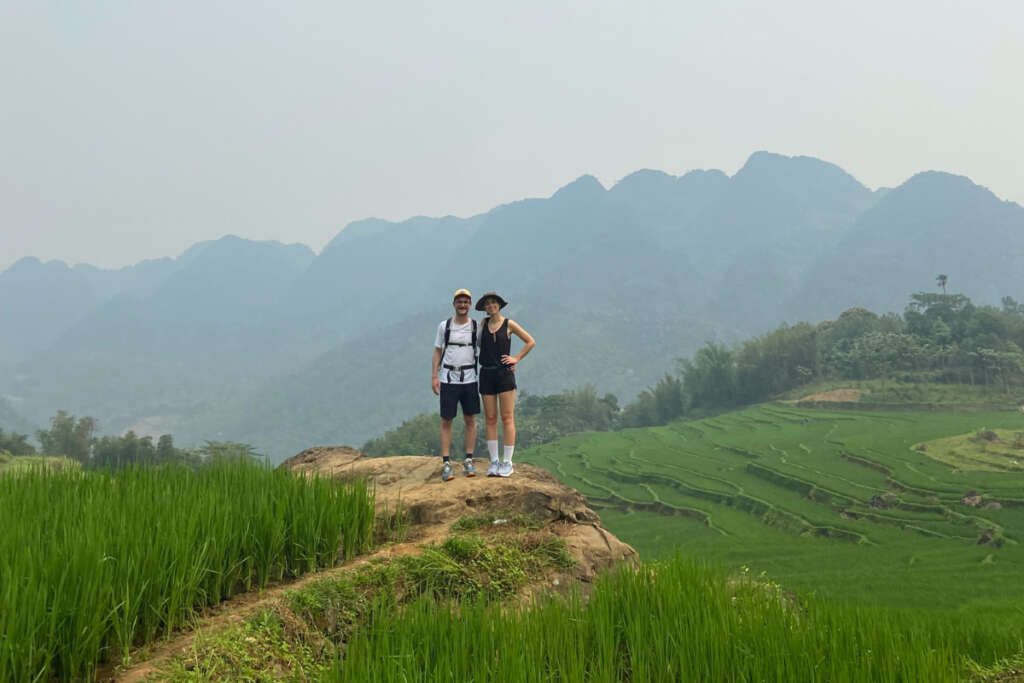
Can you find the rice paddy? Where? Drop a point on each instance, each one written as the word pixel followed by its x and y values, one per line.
pixel 834 502
pixel 92 564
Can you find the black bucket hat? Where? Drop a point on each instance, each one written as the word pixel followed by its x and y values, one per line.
pixel 490 295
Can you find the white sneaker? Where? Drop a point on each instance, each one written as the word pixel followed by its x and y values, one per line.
pixel 505 469
pixel 492 471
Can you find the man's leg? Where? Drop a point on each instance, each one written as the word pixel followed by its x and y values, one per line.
pixel 470 434
pixel 448 410
pixel 470 409
pixel 446 438
pixel 446 445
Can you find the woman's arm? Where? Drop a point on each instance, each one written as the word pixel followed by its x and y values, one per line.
pixel 528 344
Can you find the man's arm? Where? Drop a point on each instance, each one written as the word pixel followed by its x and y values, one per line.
pixel 435 383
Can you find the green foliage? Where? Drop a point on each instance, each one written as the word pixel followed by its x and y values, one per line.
pixel 68 437
pixel 130 450
pixel 665 402
pixel 491 565
pixel 261 648
pixel 710 378
pixel 776 361
pixel 75 437
pixel 15 444
pixel 418 435
pixel 941 337
pixel 540 419
pixel 390 526
pixel 109 560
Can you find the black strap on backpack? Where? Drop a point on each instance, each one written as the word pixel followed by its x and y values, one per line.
pixel 472 342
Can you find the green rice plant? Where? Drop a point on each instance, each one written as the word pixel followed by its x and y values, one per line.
pixel 671 621
pixel 391 526
pixel 94 563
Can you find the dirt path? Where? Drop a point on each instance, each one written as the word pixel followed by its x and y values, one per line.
pixel 234 611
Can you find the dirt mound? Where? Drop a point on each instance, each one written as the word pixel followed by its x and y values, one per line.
pixel 432 506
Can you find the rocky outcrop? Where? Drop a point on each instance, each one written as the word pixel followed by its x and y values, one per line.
pixel 413 483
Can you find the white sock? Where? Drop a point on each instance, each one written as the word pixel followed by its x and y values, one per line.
pixel 492 449
pixel 508 452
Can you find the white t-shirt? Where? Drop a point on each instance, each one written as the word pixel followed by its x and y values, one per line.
pixel 457 356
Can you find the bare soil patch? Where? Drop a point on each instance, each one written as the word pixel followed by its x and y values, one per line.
pixel 836 396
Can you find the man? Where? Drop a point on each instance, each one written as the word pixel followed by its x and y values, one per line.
pixel 453 377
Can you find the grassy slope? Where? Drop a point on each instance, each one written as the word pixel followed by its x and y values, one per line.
pixel 788 491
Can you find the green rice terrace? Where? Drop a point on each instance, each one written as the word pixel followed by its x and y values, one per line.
pixel 907 509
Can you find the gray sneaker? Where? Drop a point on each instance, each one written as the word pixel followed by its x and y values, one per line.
pixel 468 469
pixel 492 471
pixel 505 469
pixel 446 472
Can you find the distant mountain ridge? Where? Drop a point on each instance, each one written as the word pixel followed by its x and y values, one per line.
pixel 272 344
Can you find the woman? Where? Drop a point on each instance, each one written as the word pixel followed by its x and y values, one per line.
pixel 497 381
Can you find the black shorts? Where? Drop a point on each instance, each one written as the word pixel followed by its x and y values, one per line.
pixel 496 381
pixel 454 394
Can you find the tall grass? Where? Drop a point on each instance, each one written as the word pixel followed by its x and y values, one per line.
pixel 675 621
pixel 93 563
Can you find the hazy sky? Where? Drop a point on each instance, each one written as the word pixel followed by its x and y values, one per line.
pixel 131 130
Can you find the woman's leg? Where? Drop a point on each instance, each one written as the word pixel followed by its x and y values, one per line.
pixel 490 416
pixel 507 399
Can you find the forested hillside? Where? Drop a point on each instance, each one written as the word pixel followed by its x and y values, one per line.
pixel 270 344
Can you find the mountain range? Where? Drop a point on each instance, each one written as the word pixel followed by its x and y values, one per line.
pixel 277 346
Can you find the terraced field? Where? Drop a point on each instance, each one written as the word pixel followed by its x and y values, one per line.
pixel 835 502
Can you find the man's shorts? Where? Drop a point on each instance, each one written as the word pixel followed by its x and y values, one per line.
pixel 496 381
pixel 454 394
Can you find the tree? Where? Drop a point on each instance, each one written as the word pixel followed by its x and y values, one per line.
pixel 68 437
pixel 710 378
pixel 165 450
pixel 664 402
pixel 15 444
pixel 941 281
pixel 956 310
pixel 128 450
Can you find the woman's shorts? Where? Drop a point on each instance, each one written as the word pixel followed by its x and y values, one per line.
pixel 496 381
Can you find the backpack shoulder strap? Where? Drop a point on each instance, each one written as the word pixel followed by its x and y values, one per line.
pixel 473 341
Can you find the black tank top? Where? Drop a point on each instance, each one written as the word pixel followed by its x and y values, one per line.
pixel 494 345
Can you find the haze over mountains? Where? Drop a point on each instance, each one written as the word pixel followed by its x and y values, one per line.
pixel 276 346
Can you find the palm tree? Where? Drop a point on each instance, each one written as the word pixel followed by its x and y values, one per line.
pixel 941 280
